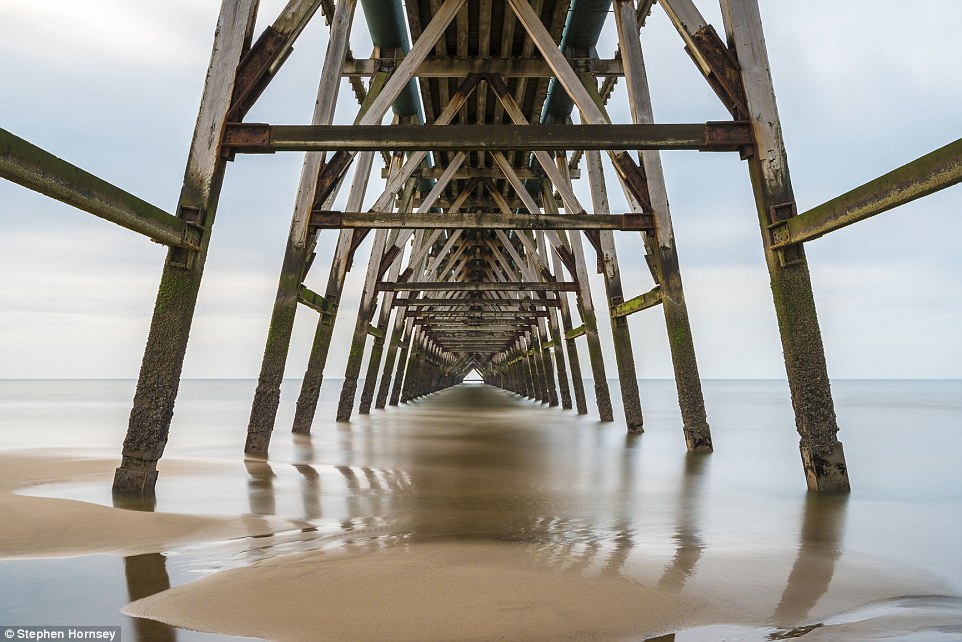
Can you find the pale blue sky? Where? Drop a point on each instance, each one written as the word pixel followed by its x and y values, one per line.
pixel 113 85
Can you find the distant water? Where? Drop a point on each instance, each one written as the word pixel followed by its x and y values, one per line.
pixel 474 462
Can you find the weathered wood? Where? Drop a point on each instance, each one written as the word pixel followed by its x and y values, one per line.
pixel 636 304
pixel 574 333
pixel 923 176
pixel 266 139
pixel 268 392
pixel 163 361
pixel 822 455
pixel 314 374
pixel 314 301
pixel 482 303
pixel 39 170
pixel 620 332
pixel 455 67
pixel 478 286
pixel 482 221
pixel 662 249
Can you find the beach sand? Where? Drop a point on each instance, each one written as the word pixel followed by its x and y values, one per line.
pixel 432 588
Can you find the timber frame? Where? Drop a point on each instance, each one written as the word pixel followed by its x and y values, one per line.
pixel 478 259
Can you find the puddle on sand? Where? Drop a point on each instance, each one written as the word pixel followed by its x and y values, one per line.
pixel 894 620
pixel 91 590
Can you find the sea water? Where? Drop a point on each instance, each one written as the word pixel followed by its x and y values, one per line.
pixel 475 463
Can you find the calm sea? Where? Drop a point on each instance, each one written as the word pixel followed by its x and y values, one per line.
pixel 477 463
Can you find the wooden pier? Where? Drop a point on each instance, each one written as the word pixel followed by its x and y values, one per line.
pixel 490 117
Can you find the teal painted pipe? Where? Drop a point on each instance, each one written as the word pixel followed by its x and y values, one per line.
pixel 581 32
pixel 385 21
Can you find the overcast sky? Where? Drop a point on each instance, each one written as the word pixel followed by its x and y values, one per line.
pixel 113 86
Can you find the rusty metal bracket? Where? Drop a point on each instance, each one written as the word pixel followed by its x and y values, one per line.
pixel 254 71
pixel 725 76
pixel 183 257
pixel 779 234
pixel 252 138
pixel 728 135
pixel 644 222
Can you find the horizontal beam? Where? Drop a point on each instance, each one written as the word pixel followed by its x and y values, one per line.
pixel 923 176
pixel 464 173
pixel 480 221
pixel 479 286
pixel 574 333
pixel 641 302
pixel 39 170
pixel 459 67
pixel 256 138
pixel 374 331
pixel 462 315
pixel 314 301
pixel 470 303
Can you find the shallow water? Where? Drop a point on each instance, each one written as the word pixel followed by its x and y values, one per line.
pixel 477 464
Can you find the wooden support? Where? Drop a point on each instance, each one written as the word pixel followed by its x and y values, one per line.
pixel 620 332
pixel 160 370
pixel 636 304
pixel 478 286
pixel 923 176
pixel 661 245
pixel 254 138
pixel 315 301
pixel 452 67
pixel 340 263
pixel 482 221
pixel 574 333
pixel 267 395
pixel 379 332
pixel 29 166
pixel 822 455
pixel 577 383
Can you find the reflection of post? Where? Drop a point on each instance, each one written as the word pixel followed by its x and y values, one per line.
pixel 260 487
pixel 690 543
pixel 818 551
pixel 627 494
pixel 147 575
pixel 310 491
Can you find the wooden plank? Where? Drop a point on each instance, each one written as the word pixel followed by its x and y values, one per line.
pixel 30 166
pixel 524 304
pixel 478 286
pixel 480 221
pixel 448 67
pixel 636 304
pixel 375 331
pixel 266 139
pixel 923 176
pixel 315 301
pixel 574 333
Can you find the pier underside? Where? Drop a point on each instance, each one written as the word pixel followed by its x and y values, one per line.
pixel 482 129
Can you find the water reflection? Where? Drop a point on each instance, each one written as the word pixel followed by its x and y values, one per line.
pixel 818 552
pixel 260 487
pixel 688 537
pixel 146 575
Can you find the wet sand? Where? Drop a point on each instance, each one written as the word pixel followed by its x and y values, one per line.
pixel 474 515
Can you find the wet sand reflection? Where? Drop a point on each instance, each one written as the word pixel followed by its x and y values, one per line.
pixel 146 575
pixel 819 550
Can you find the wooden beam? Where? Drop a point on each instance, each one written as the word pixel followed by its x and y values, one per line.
pixel 30 166
pixel 641 302
pixel 478 286
pixel 255 138
pixel 480 221
pixel 574 333
pixel 923 176
pixel 314 301
pixel 449 67
pixel 484 303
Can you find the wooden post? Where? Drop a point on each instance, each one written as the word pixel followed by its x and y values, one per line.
pixel 577 383
pixel 822 455
pixel 620 333
pixel 377 348
pixel 662 247
pixel 163 360
pixel 314 375
pixel 267 396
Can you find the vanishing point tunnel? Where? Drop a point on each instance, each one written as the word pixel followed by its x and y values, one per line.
pixel 488 118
